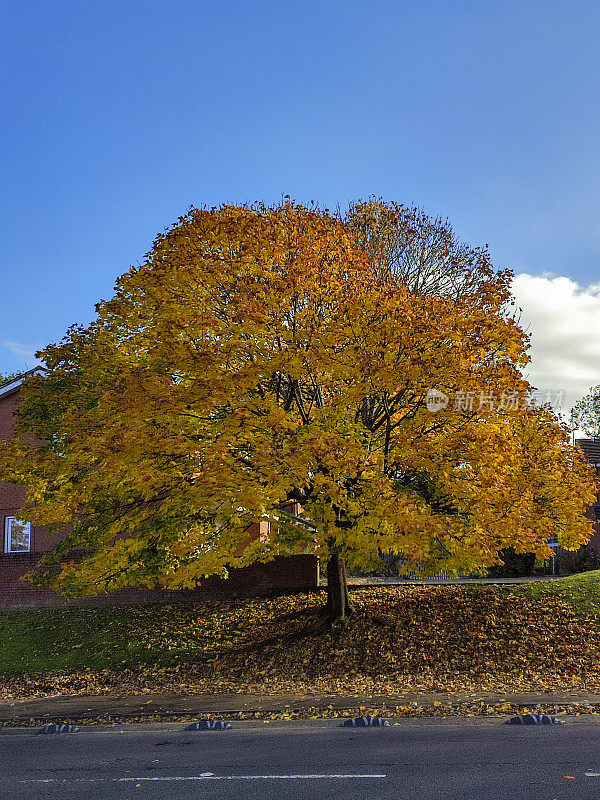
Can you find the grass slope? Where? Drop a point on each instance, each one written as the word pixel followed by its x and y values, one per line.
pixel 447 638
pixel 539 636
pixel 581 592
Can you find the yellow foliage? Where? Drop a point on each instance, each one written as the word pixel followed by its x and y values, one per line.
pixel 262 354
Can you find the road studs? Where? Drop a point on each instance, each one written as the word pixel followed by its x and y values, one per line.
pixel 209 725
pixel 365 722
pixel 57 727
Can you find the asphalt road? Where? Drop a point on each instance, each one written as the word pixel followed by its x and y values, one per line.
pixel 442 760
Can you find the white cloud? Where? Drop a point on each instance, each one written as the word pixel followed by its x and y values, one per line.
pixel 25 353
pixel 563 320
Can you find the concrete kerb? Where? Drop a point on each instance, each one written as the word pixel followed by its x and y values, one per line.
pixel 104 710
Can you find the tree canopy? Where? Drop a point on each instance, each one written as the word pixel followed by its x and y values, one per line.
pixel 6 377
pixel 586 413
pixel 266 354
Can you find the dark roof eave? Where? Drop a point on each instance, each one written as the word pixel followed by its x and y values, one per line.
pixel 591 450
pixel 14 385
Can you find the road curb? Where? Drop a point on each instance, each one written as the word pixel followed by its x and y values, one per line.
pixel 434 710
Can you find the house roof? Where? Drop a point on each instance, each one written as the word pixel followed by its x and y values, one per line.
pixel 591 449
pixel 15 383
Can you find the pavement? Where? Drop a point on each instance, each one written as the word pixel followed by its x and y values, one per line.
pixel 396 581
pixel 414 760
pixel 136 708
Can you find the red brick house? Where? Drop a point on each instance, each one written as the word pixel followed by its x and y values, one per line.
pixel 591 450
pixel 23 545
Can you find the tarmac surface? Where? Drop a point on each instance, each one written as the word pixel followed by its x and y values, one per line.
pixel 473 759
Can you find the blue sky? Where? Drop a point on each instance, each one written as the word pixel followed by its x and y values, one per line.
pixel 118 116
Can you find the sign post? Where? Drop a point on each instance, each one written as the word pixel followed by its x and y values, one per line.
pixel 553 543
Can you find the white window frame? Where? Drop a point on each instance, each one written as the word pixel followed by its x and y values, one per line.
pixel 8 523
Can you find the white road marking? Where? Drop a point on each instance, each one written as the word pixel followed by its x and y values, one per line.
pixel 254 777
pixel 593 774
pixel 210 777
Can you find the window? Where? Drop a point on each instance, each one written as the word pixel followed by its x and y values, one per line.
pixel 17 535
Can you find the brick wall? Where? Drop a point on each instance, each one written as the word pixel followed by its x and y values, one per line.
pixel 11 496
pixel 593 513
pixel 13 591
pixel 291 574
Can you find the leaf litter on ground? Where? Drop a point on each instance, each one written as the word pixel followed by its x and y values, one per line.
pixel 401 639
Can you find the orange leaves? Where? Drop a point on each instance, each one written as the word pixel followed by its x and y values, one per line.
pixel 409 638
pixel 261 353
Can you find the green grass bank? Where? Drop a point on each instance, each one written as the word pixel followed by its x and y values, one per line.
pixel 532 637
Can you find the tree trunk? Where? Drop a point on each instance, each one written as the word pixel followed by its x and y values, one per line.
pixel 338 607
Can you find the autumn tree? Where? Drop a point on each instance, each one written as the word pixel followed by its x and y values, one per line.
pixel 261 355
pixel 586 413
pixel 417 250
pixel 6 377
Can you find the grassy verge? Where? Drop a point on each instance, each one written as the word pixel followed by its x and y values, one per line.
pixel 539 637
pixel 46 640
pixel 581 592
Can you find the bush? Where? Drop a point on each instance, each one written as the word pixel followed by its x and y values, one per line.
pixel 516 565
pixel 573 561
